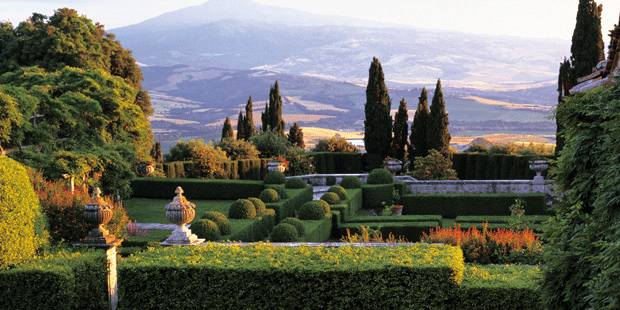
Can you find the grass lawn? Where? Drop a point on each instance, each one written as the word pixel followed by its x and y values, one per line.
pixel 152 210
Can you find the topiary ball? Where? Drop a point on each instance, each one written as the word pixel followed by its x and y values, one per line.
pixel 220 219
pixel 351 182
pixel 331 198
pixel 380 176
pixel 325 205
pixel 295 183
pixel 311 211
pixel 342 193
pixel 206 229
pixel 242 209
pixel 258 204
pixel 275 177
pixel 281 191
pixel 284 232
pixel 269 195
pixel 299 225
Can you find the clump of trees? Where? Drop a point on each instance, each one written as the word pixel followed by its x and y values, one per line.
pixel 334 144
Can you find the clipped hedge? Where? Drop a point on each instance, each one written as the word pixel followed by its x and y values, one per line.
pixel 376 195
pixel 220 219
pixel 295 183
pixel 342 193
pixel 403 218
pixel 380 176
pixel 347 209
pixel 287 207
pixel 453 205
pixel 350 181
pixel 412 231
pixel 299 225
pixel 284 232
pixel 317 231
pixel 311 211
pixel 483 166
pixel 337 162
pixel 500 219
pixel 196 188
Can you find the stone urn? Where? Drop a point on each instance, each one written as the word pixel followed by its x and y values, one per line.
pixel 538 166
pixel 99 213
pixel 180 212
pixel 276 166
pixel 393 166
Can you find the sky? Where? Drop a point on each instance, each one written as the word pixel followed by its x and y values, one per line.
pixel 521 18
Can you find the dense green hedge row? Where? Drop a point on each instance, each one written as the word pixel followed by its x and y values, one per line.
pixel 337 162
pixel 196 188
pixel 347 208
pixel 376 196
pixel 289 206
pixel 492 167
pixel 453 205
pixel 412 231
pixel 62 281
pixel 251 230
pixel 404 218
pixel 318 230
pixel 500 219
pixel 243 169
pixel 264 276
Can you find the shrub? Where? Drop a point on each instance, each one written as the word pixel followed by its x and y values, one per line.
pixel 334 144
pixel 206 229
pixel 342 193
pixel 258 204
pixel 380 176
pixel 350 182
pixel 299 225
pixel 269 195
pixel 433 167
pixel 238 149
pixel 270 144
pixel 184 150
pixel 324 204
pixel 208 162
pixel 311 211
pixel 282 193
pixel 298 164
pixel 275 177
pixel 331 198
pixel 295 183
pixel 220 219
pixel 242 209
pixel 284 232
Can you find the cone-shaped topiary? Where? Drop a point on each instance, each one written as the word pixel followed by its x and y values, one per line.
pixel 275 177
pixel 242 209
pixel 269 195
pixel 281 191
pixel 284 232
pixel 325 205
pixel 299 225
pixel 342 193
pixel 311 211
pixel 206 229
pixel 331 198
pixel 258 204
pixel 220 219
pixel 295 183
pixel 351 182
pixel 380 176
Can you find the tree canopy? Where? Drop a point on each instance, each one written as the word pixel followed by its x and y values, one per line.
pixel 378 122
pixel 401 131
pixel 438 134
pixel 419 128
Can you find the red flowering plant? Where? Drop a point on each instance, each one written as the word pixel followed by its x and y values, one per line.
pixel 283 162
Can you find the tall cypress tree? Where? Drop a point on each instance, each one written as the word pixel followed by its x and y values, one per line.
pixel 275 110
pixel 419 128
pixel 227 131
pixel 240 127
pixel 587 47
pixel 401 131
pixel 438 135
pixel 248 124
pixel 264 117
pixel 296 136
pixel 378 122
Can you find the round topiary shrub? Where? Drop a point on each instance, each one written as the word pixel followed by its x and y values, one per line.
pixel 281 192
pixel 275 177
pixel 342 193
pixel 242 209
pixel 380 176
pixel 269 195
pixel 295 183
pixel 284 232
pixel 351 182
pixel 206 229
pixel 331 198
pixel 258 204
pixel 325 205
pixel 311 211
pixel 299 225
pixel 220 219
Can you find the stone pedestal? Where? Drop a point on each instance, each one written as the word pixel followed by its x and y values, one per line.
pixel 180 212
pixel 182 236
pixel 110 251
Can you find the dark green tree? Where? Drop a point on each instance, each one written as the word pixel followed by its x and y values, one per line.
pixel 419 128
pixel 156 152
pixel 587 47
pixel 248 125
pixel 296 136
pixel 401 131
pixel 438 134
pixel 378 122
pixel 265 119
pixel 227 130
pixel 240 127
pixel 274 110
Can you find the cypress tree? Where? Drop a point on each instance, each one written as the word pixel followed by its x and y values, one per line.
pixel 296 136
pixel 240 127
pixel 248 124
pixel 378 122
pixel 275 110
pixel 419 128
pixel 401 131
pixel 587 47
pixel 438 135
pixel 156 152
pixel 227 131
pixel 264 117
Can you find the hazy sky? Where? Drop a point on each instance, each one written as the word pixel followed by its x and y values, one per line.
pixel 522 18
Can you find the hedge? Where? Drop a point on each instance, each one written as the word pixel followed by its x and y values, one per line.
pixel 483 166
pixel 337 162
pixel 243 169
pixel 538 219
pixel 374 195
pixel 288 207
pixel 248 230
pixel 348 208
pixel 453 205
pixel 412 231
pixel 196 188
pixel 318 230
pixel 395 219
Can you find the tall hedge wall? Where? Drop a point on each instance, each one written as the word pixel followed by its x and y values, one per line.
pixel 245 169
pixel 196 188
pixel 337 162
pixel 482 166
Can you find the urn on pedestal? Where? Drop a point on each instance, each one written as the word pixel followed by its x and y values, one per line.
pixel 180 212
pixel 99 213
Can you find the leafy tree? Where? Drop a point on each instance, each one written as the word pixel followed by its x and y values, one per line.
pixel 184 150
pixel 296 136
pixel 270 144
pixel 438 135
pixel 248 125
pixel 378 122
pixel 238 149
pixel 334 144
pixel 240 124
pixel 272 117
pixel 156 152
pixel 433 167
pixel 208 162
pixel 227 131
pixel 401 131
pixel 419 128
pixel 587 47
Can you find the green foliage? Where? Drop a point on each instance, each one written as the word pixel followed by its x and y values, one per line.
pixel 269 195
pixel 248 125
pixel 311 211
pixel 282 192
pixel 184 150
pixel 475 147
pixel 433 167
pixel 438 135
pixel 331 198
pixel 209 162
pixel 21 221
pixel 240 130
pixel 156 152
pixel 296 136
pixel 206 229
pixel 324 204
pixel 242 209
pixel 338 162
pixel 350 182
pixel 299 225
pixel 227 131
pixel 378 122
pixel 258 204
pixel 272 117
pixel 295 183
pixel 270 144
pixel 238 149
pixel 419 128
pixel 342 193
pixel 299 163
pixel 401 131
pixel 334 144
pixel 275 177
pixel 196 188
pixel 223 224
pixel 377 195
pixel 284 232
pixel 380 176
pixel 587 48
